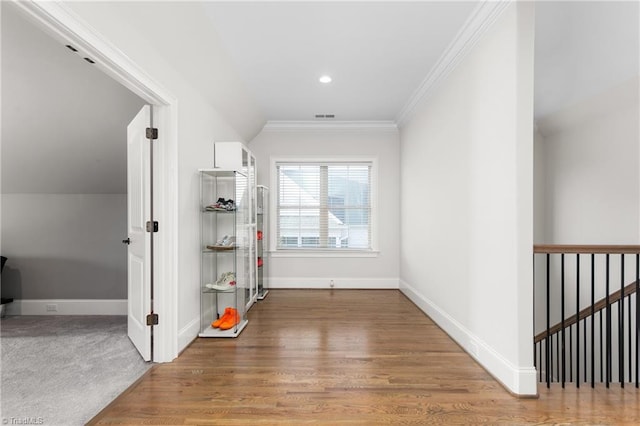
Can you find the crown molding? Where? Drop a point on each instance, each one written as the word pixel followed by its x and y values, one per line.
pixel 480 20
pixel 330 125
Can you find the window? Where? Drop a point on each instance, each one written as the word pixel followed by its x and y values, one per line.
pixel 323 206
pixel 289 241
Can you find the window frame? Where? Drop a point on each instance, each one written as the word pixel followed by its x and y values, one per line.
pixel 323 252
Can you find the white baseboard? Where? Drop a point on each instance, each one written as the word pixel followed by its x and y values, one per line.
pixel 519 380
pixel 338 283
pixel 67 307
pixel 187 333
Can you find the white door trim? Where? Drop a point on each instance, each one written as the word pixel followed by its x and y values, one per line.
pixel 63 24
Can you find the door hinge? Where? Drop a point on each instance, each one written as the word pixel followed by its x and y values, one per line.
pixel 152 319
pixel 152 133
pixel 152 226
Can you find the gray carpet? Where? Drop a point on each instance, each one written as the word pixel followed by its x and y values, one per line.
pixel 62 370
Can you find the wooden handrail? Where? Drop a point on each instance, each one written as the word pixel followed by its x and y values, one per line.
pixel 597 307
pixel 577 248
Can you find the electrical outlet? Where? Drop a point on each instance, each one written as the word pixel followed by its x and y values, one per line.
pixel 52 307
pixel 331 284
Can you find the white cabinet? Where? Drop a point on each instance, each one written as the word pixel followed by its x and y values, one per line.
pixel 230 156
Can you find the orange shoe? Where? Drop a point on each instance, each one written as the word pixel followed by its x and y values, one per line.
pixel 231 320
pixel 223 318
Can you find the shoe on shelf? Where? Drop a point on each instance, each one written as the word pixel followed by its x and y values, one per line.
pixel 226 281
pixel 231 320
pixel 218 206
pixel 222 240
pixel 227 278
pixel 226 241
pixel 229 242
pixel 223 317
pixel 219 287
pixel 230 205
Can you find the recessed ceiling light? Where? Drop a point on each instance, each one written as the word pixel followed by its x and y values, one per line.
pixel 325 79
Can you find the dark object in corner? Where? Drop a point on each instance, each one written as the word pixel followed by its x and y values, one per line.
pixel 3 300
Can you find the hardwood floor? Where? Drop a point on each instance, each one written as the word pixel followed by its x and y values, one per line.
pixel 346 357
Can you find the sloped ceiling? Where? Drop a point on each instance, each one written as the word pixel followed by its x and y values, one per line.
pixel 180 33
pixel 63 121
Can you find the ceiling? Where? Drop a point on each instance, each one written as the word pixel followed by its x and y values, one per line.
pixel 379 52
pixel 262 60
pixel 583 49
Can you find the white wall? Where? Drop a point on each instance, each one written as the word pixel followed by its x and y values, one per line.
pixel 539 189
pixel 64 246
pixel 467 201
pixel 199 124
pixel 381 271
pixel 591 163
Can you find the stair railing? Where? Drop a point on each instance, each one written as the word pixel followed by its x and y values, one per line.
pixel 582 326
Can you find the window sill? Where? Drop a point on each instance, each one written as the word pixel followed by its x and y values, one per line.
pixel 324 253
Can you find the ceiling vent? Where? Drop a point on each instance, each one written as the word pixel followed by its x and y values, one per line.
pixel 325 116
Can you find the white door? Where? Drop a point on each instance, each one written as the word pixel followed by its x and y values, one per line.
pixel 138 203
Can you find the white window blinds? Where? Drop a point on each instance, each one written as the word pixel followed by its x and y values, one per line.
pixel 323 205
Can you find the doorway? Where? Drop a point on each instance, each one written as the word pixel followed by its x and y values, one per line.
pixel 64 176
pixel 62 27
